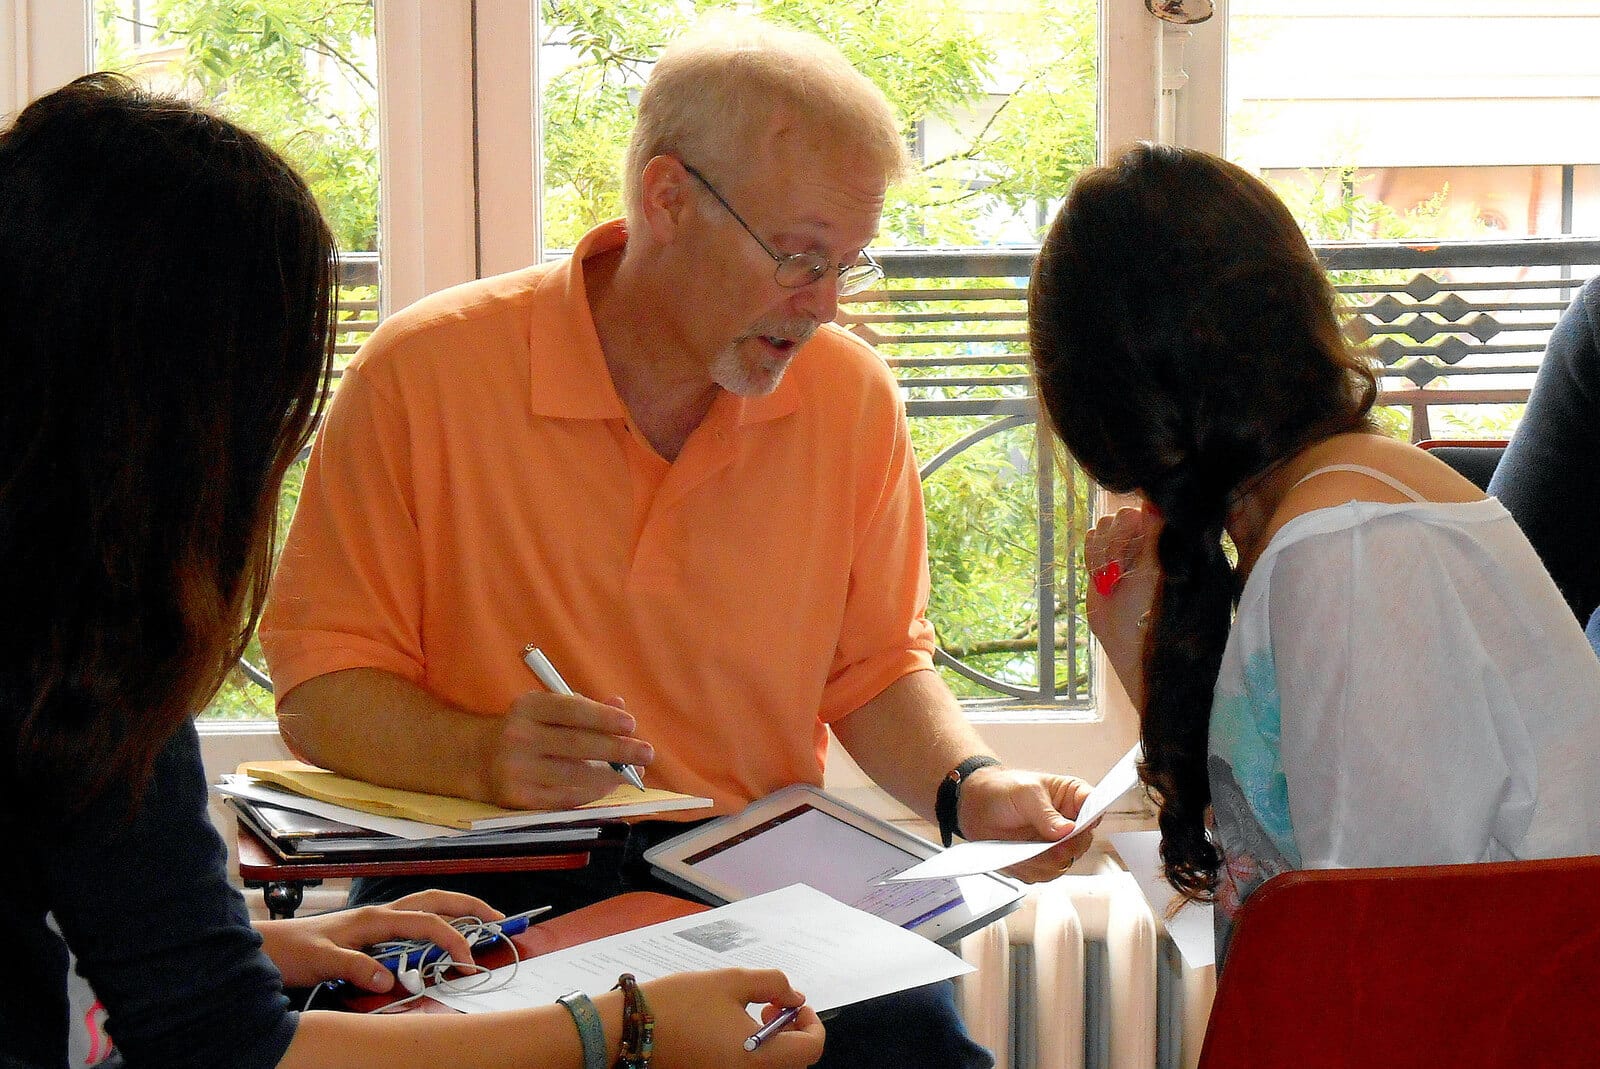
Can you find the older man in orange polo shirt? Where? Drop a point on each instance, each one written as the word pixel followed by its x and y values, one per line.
pixel 659 462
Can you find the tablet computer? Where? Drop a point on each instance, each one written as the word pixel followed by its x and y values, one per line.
pixel 804 835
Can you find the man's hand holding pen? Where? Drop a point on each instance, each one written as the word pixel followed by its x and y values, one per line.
pixel 534 658
pixel 553 750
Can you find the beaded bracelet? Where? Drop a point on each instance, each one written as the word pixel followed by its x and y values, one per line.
pixel 638 1026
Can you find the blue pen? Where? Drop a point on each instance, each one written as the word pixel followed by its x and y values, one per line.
pixel 773 1027
pixel 415 957
pixel 517 923
pixel 535 659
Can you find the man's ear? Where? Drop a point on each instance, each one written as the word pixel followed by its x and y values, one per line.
pixel 664 195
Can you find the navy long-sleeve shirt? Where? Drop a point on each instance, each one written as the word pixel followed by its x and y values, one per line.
pixel 153 927
pixel 1549 479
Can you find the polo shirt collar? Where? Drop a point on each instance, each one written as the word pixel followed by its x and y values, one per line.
pixel 577 384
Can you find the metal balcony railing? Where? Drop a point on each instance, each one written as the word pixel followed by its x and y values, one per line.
pixel 1456 326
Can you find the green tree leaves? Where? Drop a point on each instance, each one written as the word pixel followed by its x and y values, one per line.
pixel 302 73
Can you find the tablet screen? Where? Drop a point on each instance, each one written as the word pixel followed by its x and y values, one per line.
pixel 806 845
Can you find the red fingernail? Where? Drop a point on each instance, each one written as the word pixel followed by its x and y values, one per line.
pixel 1106 577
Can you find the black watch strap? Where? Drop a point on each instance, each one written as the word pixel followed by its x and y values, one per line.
pixel 947 804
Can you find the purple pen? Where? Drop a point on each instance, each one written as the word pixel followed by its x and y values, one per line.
pixel 773 1027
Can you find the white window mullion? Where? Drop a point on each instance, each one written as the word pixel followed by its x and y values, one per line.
pixel 427 218
pixel 1130 76
pixel 1198 56
pixel 46 44
pixel 509 172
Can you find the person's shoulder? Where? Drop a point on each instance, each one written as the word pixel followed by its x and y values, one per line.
pixel 1589 301
pixel 445 322
pixel 1321 478
pixel 836 357
pixel 1369 467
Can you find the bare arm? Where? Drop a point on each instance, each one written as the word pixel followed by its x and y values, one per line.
pixel 547 751
pixel 909 736
pixel 914 732
pixel 701 1023
pixel 1117 615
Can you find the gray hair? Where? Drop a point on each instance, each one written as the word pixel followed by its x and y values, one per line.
pixel 715 91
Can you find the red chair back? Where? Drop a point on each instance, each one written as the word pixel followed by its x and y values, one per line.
pixel 1441 966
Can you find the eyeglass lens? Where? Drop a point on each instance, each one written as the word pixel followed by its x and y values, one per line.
pixel 801 268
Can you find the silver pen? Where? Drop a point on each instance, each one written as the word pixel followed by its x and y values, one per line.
pixel 534 658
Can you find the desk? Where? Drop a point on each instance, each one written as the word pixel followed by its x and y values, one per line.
pixel 283 883
pixel 636 909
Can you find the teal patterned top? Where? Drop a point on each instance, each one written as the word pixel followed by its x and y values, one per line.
pixel 1403 684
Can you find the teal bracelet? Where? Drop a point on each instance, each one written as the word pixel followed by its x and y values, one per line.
pixel 590 1033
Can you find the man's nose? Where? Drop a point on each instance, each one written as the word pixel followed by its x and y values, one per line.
pixel 820 299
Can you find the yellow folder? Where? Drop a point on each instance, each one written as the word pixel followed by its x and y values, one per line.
pixel 313 782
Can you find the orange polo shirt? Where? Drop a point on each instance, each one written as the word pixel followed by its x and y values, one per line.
pixel 478 486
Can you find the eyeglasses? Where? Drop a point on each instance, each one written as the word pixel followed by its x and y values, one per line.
pixel 800 269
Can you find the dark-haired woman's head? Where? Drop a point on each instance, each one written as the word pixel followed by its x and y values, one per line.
pixel 1185 341
pixel 165 303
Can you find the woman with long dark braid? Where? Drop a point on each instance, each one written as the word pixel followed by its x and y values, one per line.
pixel 1384 674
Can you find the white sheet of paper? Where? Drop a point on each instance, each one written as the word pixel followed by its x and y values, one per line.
pixel 988 855
pixel 836 954
pixel 1113 785
pixel 1191 927
pixel 256 791
pixel 969 859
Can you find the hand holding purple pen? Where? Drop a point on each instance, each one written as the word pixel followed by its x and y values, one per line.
pixel 783 1020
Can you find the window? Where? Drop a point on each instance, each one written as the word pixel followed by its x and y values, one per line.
pixel 305 78
pixel 1434 153
pixel 1447 129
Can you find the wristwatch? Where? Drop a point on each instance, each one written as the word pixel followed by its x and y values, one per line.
pixel 947 805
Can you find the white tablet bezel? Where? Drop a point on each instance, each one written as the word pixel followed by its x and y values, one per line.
pixel 985 898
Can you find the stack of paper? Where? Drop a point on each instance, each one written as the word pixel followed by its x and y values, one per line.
pixel 463 813
pixel 298 785
pixel 298 836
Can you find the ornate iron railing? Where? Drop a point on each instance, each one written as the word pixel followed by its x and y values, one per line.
pixel 1457 327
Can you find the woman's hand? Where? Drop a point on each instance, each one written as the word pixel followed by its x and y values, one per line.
pixel 701 1022
pixel 1125 573
pixel 309 950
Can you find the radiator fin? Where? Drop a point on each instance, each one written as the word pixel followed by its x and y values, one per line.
pixel 1082 976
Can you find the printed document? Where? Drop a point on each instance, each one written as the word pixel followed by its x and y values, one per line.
pixel 836 954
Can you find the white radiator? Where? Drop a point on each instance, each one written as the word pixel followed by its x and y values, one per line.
pixel 1082 977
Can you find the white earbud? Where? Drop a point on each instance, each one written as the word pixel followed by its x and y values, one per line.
pixel 410 979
